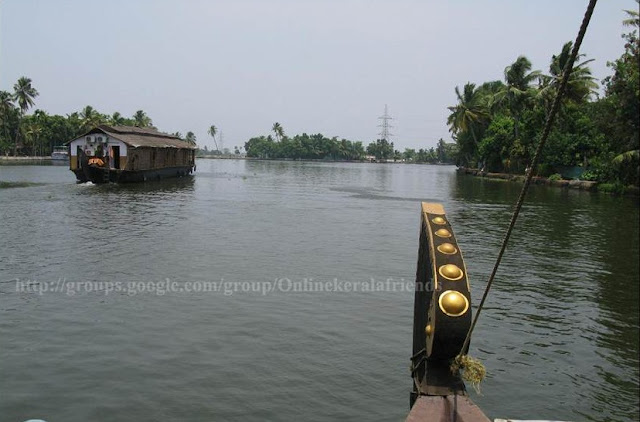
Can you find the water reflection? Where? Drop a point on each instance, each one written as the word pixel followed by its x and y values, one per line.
pixel 580 287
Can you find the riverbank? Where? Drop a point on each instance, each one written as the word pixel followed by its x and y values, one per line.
pixel 584 185
pixel 223 157
pixel 25 158
pixel 318 160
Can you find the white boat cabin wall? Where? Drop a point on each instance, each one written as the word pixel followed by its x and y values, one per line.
pixel 99 145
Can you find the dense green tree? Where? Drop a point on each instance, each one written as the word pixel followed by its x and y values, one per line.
pixel 8 120
pixel 305 147
pixel 118 119
pixel 91 118
pixel 381 149
pixel 141 119
pixel 620 117
pixel 190 137
pixel 409 155
pixel 595 139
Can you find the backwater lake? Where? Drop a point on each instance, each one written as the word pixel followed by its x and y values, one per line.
pixel 181 299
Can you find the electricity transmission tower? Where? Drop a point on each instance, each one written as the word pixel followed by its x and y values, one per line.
pixel 385 134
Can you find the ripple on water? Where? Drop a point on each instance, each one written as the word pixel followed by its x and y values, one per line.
pixel 559 333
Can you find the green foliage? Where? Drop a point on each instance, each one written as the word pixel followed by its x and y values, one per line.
pixel 589 175
pixel 494 147
pixel 381 149
pixel 190 137
pixel 141 119
pixel 555 177
pixel 468 119
pixel 544 170
pixel 497 126
pixel 306 147
pixel 617 188
pixel 39 133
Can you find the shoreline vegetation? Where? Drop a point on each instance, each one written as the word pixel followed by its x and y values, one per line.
pixel 497 124
pixel 553 181
pixel 584 185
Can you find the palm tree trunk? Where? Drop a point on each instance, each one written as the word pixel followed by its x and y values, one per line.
pixel 15 145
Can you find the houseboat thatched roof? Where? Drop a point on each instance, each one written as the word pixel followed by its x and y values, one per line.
pixel 141 137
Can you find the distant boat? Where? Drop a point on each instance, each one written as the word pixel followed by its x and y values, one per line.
pixel 129 154
pixel 60 153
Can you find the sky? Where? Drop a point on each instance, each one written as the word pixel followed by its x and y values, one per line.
pixel 313 66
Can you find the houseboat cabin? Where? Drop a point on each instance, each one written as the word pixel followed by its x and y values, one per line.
pixel 129 154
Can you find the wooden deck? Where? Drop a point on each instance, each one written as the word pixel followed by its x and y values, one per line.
pixel 446 409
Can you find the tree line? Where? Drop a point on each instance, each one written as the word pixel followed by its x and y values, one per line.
pixel 38 133
pixel 497 124
pixel 320 147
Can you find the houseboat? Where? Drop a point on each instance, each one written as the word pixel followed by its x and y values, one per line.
pixel 129 154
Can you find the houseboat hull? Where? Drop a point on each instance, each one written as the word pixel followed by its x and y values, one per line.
pixel 97 175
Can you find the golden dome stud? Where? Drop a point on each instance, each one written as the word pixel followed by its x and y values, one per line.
pixel 439 220
pixel 453 303
pixel 447 249
pixel 451 272
pixel 428 329
pixel 443 233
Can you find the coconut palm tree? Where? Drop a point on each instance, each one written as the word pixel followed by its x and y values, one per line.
pixel 278 131
pixel 32 135
pixel 468 114
pixel 90 117
pixel 487 92
pixel 580 86
pixel 40 121
pixel 633 17
pixel 518 90
pixel 213 130
pixel 6 106
pixel 6 102
pixel 141 119
pixel 24 94
pixel 190 137
pixel 8 114
pixel 117 119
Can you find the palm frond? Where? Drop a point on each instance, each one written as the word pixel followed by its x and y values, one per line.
pixel 626 156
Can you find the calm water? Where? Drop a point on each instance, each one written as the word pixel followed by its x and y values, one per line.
pixel 559 337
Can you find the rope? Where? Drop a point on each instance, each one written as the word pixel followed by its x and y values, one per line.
pixel 545 134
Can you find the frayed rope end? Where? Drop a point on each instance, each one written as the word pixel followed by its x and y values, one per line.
pixel 473 371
